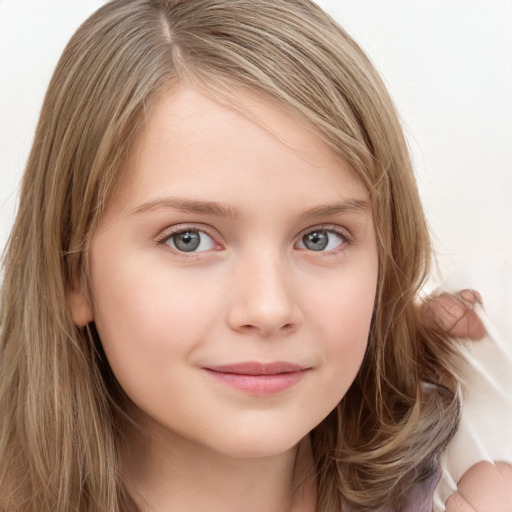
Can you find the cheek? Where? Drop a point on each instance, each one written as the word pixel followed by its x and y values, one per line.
pixel 343 317
pixel 147 318
pixel 346 306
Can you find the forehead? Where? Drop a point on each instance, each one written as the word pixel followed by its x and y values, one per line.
pixel 191 138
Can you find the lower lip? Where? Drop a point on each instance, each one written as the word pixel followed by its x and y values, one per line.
pixel 259 384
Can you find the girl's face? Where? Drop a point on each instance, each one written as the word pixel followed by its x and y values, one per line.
pixel 233 276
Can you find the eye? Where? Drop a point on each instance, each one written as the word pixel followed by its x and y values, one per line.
pixel 322 240
pixel 190 240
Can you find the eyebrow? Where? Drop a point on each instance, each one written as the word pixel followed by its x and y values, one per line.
pixel 346 206
pixel 213 208
pixel 189 206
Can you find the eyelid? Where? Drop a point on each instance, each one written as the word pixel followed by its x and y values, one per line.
pixel 167 233
pixel 343 233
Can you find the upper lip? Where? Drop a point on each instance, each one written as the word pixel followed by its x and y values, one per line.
pixel 256 368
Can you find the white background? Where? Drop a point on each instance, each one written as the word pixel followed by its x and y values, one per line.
pixel 447 63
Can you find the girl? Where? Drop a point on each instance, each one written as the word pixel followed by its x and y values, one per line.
pixel 208 300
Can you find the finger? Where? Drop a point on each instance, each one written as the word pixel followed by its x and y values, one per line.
pixel 505 470
pixel 454 314
pixel 487 487
pixel 471 296
pixel 469 325
pixel 456 503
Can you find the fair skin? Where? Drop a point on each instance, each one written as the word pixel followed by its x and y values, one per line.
pixel 196 267
pixel 284 272
pixel 454 314
pixel 486 486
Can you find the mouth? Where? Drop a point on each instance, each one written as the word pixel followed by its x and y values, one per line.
pixel 259 378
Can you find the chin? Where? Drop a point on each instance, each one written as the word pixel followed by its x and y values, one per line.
pixel 259 445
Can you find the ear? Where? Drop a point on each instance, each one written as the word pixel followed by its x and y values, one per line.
pixel 81 311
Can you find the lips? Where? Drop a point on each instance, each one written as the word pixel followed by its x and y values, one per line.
pixel 253 368
pixel 259 378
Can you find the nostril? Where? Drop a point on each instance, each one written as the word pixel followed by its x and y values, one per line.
pixel 264 313
pixel 284 329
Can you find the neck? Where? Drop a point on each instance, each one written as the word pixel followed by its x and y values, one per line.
pixel 169 473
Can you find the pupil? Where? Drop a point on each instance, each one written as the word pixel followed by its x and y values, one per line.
pixel 187 241
pixel 316 241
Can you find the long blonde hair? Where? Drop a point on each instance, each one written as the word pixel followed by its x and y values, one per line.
pixel 60 405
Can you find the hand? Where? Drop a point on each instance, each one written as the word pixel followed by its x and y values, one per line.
pixel 485 487
pixel 453 314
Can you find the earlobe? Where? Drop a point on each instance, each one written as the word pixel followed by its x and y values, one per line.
pixel 81 311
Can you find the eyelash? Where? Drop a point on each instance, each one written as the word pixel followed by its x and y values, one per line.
pixel 176 230
pixel 346 239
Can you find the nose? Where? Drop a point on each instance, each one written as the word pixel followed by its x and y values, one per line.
pixel 263 299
